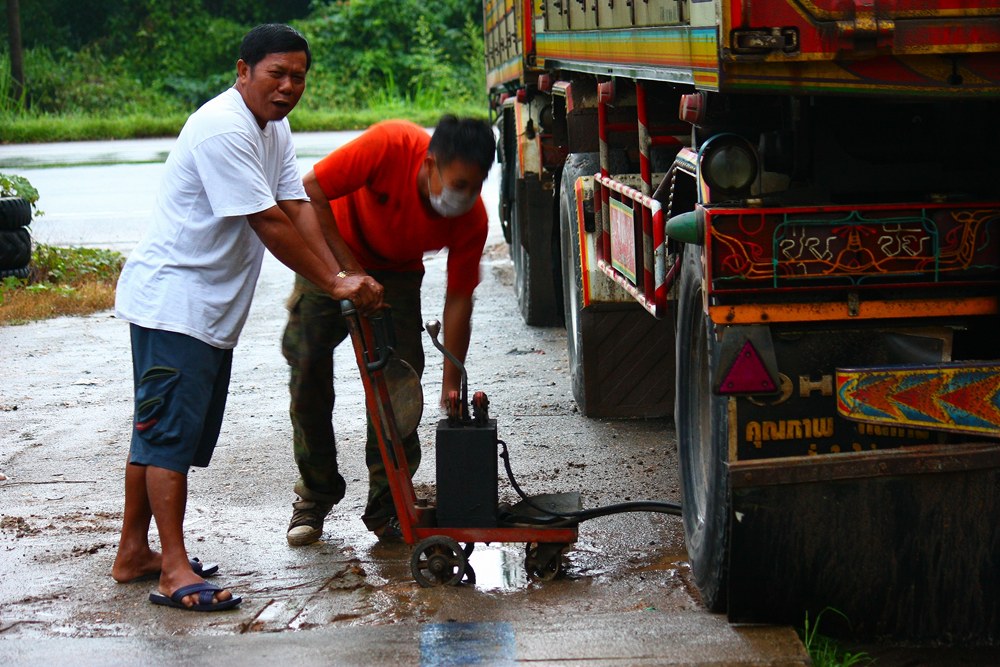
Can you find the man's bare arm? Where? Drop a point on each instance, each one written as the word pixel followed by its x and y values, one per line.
pixel 328 226
pixel 303 217
pixel 457 334
pixel 277 232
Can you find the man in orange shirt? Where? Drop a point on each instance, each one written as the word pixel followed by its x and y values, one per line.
pixel 391 195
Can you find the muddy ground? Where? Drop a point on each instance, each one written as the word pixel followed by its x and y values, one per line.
pixel 65 413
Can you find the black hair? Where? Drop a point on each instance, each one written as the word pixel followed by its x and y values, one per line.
pixel 270 38
pixel 468 139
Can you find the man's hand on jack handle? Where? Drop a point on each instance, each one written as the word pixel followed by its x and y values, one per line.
pixel 363 290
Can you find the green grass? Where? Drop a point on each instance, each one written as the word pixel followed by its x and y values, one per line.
pixel 26 129
pixel 86 127
pixel 823 651
pixel 63 281
pixel 322 121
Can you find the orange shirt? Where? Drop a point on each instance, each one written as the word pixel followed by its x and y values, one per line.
pixel 372 186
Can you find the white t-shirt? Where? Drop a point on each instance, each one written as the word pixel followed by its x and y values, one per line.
pixel 195 270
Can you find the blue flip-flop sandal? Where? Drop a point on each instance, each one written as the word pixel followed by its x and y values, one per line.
pixel 205 591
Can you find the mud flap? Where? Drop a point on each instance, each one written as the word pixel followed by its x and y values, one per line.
pixel 904 543
pixel 627 368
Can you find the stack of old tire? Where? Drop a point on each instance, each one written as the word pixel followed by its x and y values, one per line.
pixel 15 240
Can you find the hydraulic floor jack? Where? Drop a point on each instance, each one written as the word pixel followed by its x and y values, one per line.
pixel 467 506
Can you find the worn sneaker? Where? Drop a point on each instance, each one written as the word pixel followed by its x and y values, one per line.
pixel 389 531
pixel 306 525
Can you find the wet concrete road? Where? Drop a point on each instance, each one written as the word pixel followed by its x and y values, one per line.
pixel 65 412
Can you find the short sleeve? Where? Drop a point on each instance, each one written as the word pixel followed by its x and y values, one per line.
pixel 351 166
pixel 232 174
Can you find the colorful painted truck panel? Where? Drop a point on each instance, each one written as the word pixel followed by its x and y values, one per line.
pixel 875 46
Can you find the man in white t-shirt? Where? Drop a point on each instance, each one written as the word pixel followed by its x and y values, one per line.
pixel 231 188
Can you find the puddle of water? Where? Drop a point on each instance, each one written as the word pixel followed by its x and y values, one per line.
pixel 498 569
pixel 467 644
pixel 671 562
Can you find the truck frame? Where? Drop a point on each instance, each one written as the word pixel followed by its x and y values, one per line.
pixel 777 221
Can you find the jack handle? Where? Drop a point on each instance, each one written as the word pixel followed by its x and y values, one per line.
pixel 433 329
pixel 382 330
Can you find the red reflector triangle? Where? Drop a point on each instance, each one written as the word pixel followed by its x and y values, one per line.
pixel 747 375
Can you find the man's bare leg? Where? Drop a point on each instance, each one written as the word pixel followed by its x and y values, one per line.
pixel 167 497
pixel 135 558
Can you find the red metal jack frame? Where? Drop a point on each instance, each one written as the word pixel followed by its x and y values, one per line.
pixel 438 558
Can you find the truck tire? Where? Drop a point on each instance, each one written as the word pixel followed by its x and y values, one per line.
pixel 15 248
pixel 15 213
pixel 620 357
pixel 702 440
pixel 532 251
pixel 23 272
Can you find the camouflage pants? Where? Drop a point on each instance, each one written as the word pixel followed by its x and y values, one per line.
pixel 315 327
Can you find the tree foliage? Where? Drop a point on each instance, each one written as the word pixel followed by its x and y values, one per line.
pixel 57 24
pixel 171 55
pixel 405 47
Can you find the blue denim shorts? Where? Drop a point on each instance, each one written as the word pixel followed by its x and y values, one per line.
pixel 181 385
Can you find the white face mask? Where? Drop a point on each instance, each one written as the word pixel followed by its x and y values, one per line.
pixel 450 203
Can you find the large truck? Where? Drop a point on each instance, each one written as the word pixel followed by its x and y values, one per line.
pixel 778 221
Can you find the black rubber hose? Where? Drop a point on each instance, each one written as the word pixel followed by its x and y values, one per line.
pixel 583 515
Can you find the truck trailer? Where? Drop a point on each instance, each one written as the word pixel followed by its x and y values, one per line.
pixel 778 222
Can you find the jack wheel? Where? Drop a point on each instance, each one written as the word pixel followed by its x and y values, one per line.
pixel 543 561
pixel 438 561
